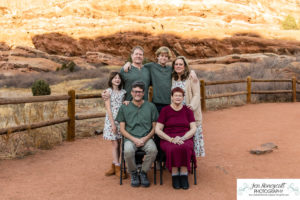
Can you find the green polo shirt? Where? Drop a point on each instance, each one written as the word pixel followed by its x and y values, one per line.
pixel 138 120
pixel 135 74
pixel 161 80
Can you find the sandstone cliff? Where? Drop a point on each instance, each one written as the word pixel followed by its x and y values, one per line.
pixel 21 20
pixel 40 35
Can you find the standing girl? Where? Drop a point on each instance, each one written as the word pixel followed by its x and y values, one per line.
pixel 111 127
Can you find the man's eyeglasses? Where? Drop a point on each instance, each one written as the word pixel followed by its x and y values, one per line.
pixel 137 92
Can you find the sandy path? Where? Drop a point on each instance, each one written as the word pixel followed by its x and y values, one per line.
pixel 76 170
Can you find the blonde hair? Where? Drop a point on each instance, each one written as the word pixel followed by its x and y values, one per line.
pixel 186 69
pixel 163 49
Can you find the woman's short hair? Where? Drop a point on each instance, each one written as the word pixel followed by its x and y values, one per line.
pixel 163 49
pixel 177 89
pixel 111 76
pixel 186 69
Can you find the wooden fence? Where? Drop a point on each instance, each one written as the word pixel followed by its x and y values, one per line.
pixel 249 90
pixel 72 117
pixel 71 97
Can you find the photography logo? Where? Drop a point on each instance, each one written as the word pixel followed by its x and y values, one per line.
pixel 268 189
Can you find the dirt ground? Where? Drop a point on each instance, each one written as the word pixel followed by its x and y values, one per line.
pixel 75 170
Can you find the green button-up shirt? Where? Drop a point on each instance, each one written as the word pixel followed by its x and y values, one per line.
pixel 138 120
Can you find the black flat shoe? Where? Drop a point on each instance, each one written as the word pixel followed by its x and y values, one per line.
pixel 184 182
pixel 176 182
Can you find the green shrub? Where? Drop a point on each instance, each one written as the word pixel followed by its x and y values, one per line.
pixel 40 87
pixel 71 66
pixel 63 66
pixel 289 23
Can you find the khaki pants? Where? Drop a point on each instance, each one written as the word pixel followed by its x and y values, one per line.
pixel 129 155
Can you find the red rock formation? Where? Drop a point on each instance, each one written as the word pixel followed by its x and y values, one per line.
pixel 4 47
pixel 120 44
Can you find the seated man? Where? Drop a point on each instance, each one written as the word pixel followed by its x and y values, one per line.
pixel 137 123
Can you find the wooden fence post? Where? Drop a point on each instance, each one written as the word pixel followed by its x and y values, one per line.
pixel 71 115
pixel 249 89
pixel 150 94
pixel 294 89
pixel 203 103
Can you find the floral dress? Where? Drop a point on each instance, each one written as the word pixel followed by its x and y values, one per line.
pixel 116 100
pixel 198 137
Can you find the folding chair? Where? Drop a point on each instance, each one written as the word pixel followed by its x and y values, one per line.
pixel 162 158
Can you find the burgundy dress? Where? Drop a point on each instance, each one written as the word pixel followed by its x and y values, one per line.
pixel 177 123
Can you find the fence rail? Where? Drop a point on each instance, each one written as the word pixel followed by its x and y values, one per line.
pixel 260 80
pixel 224 82
pixel 226 95
pixel 71 98
pixel 6 101
pixel 32 126
pixel 271 92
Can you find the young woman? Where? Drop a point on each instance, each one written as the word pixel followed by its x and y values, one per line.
pixel 111 127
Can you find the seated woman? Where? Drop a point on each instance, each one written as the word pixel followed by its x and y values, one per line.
pixel 176 127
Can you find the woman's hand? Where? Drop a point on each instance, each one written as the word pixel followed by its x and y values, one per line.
pixel 127 66
pixel 189 106
pixel 177 140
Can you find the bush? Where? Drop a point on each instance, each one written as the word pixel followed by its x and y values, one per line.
pixel 40 87
pixel 71 66
pixel 289 23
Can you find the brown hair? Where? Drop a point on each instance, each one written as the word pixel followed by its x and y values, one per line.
pixel 177 89
pixel 163 49
pixel 186 69
pixel 137 47
pixel 139 84
pixel 111 76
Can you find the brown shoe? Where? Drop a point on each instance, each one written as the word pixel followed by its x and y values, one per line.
pixel 111 171
pixel 118 172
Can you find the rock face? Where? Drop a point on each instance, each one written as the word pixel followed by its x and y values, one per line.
pixel 21 20
pixel 30 60
pixel 54 49
pixel 92 33
pixel 120 44
pixel 4 47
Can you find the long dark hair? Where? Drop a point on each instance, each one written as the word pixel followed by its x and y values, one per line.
pixel 186 69
pixel 111 76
